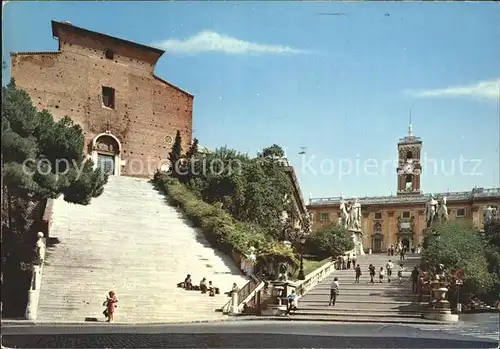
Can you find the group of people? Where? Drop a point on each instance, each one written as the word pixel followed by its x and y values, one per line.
pixel 383 272
pixel 402 250
pixel 203 286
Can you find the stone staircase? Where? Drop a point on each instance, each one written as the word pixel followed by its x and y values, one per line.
pixel 131 241
pixel 365 302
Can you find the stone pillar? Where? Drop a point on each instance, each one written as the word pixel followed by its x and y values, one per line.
pixel 476 220
pixel 234 304
pixel 389 240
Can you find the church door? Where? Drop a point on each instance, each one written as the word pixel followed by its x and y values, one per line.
pixel 406 243
pixel 106 163
pixel 377 245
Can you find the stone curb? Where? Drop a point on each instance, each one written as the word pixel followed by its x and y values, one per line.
pixel 230 319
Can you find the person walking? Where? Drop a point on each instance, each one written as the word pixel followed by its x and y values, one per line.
pixel 371 269
pixel 110 304
pixel 334 291
pixel 402 254
pixel 358 273
pixel 388 267
pixel 354 263
pixel 400 273
pixel 381 274
pixel 414 279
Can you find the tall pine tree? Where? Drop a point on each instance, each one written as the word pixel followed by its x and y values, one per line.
pixel 175 155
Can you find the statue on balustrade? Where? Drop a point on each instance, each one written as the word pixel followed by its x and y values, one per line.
pixel 344 216
pixel 431 211
pixel 443 211
pixel 355 216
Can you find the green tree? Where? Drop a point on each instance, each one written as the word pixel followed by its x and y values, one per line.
pixel 175 155
pixel 193 149
pixel 329 241
pixel 459 245
pixel 41 159
pixel 274 151
pixel 492 232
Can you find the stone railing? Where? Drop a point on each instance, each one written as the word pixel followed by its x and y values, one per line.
pixel 313 278
pixel 36 280
pixel 476 193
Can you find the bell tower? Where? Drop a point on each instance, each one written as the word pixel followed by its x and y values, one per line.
pixel 409 165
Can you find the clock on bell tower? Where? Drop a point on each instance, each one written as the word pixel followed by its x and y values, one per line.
pixel 409 166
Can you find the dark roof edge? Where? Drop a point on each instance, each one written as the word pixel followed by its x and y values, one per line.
pixel 172 85
pixel 57 24
pixel 35 53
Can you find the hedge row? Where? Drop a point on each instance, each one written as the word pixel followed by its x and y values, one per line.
pixel 220 229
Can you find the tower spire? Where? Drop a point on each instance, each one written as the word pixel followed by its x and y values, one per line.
pixel 409 126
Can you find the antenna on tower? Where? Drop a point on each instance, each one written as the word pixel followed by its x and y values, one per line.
pixel 409 126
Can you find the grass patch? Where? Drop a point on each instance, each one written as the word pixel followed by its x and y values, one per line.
pixel 311 265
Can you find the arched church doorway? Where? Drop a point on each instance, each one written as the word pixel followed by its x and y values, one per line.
pixel 106 149
pixel 406 243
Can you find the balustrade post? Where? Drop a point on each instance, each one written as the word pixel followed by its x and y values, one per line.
pixel 234 304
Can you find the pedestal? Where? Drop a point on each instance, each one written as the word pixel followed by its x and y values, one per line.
pixel 440 309
pixel 234 304
pixel 357 238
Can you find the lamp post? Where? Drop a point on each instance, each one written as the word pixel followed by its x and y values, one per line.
pixel 301 275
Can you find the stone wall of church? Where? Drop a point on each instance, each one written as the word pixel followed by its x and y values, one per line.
pixel 147 113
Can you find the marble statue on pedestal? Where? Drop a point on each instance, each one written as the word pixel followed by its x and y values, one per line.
pixel 350 219
pixel 355 216
pixel 430 211
pixel 40 248
pixel 344 216
pixel 443 211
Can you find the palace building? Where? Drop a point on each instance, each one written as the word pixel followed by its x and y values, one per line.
pixel 107 85
pixel 388 220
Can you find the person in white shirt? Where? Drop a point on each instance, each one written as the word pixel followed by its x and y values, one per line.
pixel 381 274
pixel 400 273
pixel 389 266
pixel 334 291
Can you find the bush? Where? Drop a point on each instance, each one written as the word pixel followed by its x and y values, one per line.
pixel 220 229
pixel 459 246
pixel 329 241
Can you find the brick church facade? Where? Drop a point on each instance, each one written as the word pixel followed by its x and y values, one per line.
pixel 107 85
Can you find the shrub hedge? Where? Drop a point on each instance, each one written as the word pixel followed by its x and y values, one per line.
pixel 220 229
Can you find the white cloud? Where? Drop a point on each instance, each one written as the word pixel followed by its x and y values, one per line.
pixel 208 41
pixel 483 89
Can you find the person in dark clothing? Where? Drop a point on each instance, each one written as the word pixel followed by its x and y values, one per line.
pixel 402 254
pixel 371 269
pixel 353 263
pixel 414 279
pixel 358 273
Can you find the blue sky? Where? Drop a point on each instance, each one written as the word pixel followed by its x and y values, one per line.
pixel 295 74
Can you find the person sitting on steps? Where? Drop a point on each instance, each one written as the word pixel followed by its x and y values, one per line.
pixel 233 290
pixel 203 285
pixel 211 289
pixel 188 283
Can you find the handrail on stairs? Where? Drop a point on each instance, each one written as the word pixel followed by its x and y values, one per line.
pixel 245 291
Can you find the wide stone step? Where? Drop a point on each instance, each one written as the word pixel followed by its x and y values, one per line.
pixel 349 318
pixel 339 308
pixel 356 313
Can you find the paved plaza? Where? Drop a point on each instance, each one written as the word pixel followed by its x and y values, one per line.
pixel 240 334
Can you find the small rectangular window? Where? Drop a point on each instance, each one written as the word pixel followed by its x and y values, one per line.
pixel 109 54
pixel 378 215
pixel 325 216
pixel 108 97
pixel 406 214
pixel 460 212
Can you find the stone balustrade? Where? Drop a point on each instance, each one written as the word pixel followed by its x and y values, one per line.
pixel 313 278
pixel 36 280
